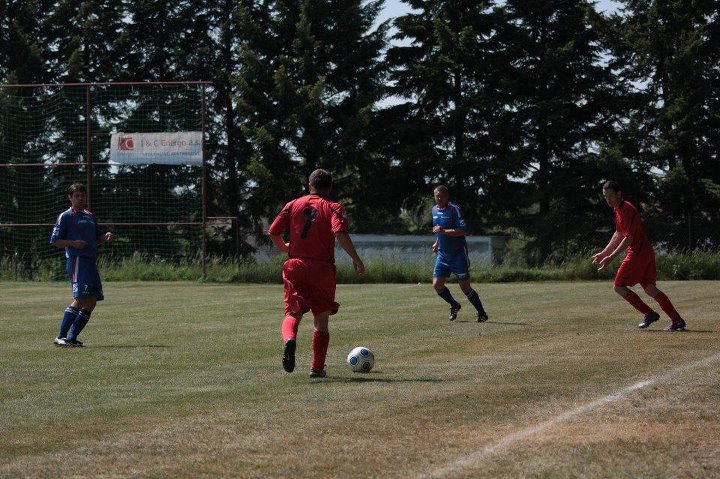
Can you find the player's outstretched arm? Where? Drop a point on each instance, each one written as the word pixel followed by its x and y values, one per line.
pixel 347 244
pixel 611 246
pixel 280 243
pixel 620 248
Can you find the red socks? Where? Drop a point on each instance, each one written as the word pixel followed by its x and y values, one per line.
pixel 638 304
pixel 320 343
pixel 667 306
pixel 289 328
pixel 662 300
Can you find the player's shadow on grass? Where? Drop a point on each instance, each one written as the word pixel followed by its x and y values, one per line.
pixel 507 323
pixel 368 379
pixel 687 331
pixel 132 346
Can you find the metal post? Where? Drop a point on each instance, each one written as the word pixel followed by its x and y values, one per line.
pixel 88 147
pixel 204 190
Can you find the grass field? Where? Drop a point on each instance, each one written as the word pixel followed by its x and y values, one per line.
pixel 184 380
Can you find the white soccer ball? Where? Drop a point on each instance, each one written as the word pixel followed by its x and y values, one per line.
pixel 361 359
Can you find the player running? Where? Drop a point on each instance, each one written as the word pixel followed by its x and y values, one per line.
pixel 452 253
pixel 639 263
pixel 77 231
pixel 314 222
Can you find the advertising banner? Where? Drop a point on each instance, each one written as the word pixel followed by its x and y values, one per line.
pixel 176 148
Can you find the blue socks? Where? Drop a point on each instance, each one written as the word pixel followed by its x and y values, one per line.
pixel 474 299
pixel 82 319
pixel 471 295
pixel 68 319
pixel 445 294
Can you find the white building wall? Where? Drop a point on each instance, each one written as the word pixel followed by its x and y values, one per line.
pixel 484 250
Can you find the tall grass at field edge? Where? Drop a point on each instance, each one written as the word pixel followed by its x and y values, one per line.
pixel 700 265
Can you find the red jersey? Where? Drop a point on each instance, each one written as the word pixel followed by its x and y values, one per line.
pixel 627 223
pixel 313 221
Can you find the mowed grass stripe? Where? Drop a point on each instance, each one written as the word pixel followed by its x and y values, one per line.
pixel 184 380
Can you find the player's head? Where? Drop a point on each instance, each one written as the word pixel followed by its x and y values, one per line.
pixel 612 192
pixel 76 195
pixel 441 195
pixel 320 181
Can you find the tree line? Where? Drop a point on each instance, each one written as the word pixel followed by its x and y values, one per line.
pixel 520 107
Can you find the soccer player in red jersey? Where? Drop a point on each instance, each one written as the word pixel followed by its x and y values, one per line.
pixel 314 222
pixel 639 263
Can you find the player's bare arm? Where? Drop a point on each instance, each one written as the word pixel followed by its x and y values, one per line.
pixel 347 244
pixel 63 243
pixel 439 229
pixel 280 243
pixel 620 248
pixel 614 241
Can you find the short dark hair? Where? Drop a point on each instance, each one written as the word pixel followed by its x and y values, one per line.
pixel 76 187
pixel 612 185
pixel 321 180
pixel 442 188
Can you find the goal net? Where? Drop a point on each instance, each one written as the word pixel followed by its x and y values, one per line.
pixel 137 147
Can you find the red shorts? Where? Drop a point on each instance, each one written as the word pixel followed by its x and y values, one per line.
pixel 637 269
pixel 309 285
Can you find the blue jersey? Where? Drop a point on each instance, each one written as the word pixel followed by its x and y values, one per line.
pixel 77 225
pixel 450 218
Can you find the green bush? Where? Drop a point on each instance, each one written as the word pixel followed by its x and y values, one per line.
pixel 688 266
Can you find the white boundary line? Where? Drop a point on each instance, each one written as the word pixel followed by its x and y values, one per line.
pixel 472 459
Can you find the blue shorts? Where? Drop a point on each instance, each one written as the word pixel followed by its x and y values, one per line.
pixel 84 277
pixel 458 264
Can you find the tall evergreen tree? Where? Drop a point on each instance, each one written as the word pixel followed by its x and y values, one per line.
pixel 23 128
pixel 669 55
pixel 213 42
pixel 155 39
pixel 21 47
pixel 232 155
pixel 559 97
pixel 82 39
pixel 446 73
pixel 310 77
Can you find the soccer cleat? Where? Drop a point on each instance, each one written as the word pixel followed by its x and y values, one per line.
pixel 61 342
pixel 678 325
pixel 648 320
pixel 317 374
pixel 288 359
pixel 454 311
pixel 482 316
pixel 74 342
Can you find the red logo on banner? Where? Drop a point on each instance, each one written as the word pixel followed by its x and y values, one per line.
pixel 126 143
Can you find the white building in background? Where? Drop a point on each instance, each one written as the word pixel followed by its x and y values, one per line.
pixel 485 250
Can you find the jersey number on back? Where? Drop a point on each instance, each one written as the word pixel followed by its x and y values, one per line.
pixel 310 214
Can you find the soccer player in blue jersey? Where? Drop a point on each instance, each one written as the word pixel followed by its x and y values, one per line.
pixel 77 231
pixel 452 254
